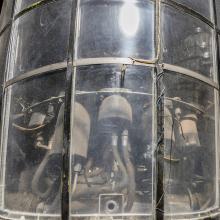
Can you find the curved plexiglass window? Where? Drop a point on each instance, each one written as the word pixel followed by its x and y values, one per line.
pixel 112 142
pixel 31 158
pixel 24 4
pixel 187 42
pixel 204 7
pixel 190 175
pixel 40 38
pixel 6 13
pixel 139 141
pixel 116 29
pixel 3 50
pixel 217 5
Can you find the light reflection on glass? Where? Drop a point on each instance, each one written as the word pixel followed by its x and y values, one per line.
pixel 129 19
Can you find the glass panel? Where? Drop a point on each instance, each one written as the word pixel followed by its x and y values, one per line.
pixel 6 13
pixel 204 7
pixel 31 158
pixel 40 38
pixel 217 4
pixel 112 142
pixel 116 29
pixel 3 55
pixel 218 57
pixel 22 4
pixel 190 147
pixel 187 42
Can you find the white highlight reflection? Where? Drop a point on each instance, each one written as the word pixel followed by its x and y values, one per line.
pixel 129 19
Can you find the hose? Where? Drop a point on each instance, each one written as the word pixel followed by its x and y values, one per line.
pixel 54 207
pixel 52 158
pixel 36 182
pixel 28 129
pixel 108 187
pixel 117 157
pixel 130 171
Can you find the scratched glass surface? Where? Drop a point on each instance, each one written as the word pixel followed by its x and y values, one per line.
pixel 40 38
pixel 204 7
pixel 3 55
pixel 24 4
pixel 116 28
pixel 187 42
pixel 218 13
pixel 31 157
pixel 6 13
pixel 190 175
pixel 115 178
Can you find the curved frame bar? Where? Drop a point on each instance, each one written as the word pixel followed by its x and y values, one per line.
pixel 109 60
pixel 191 74
pixel 37 72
